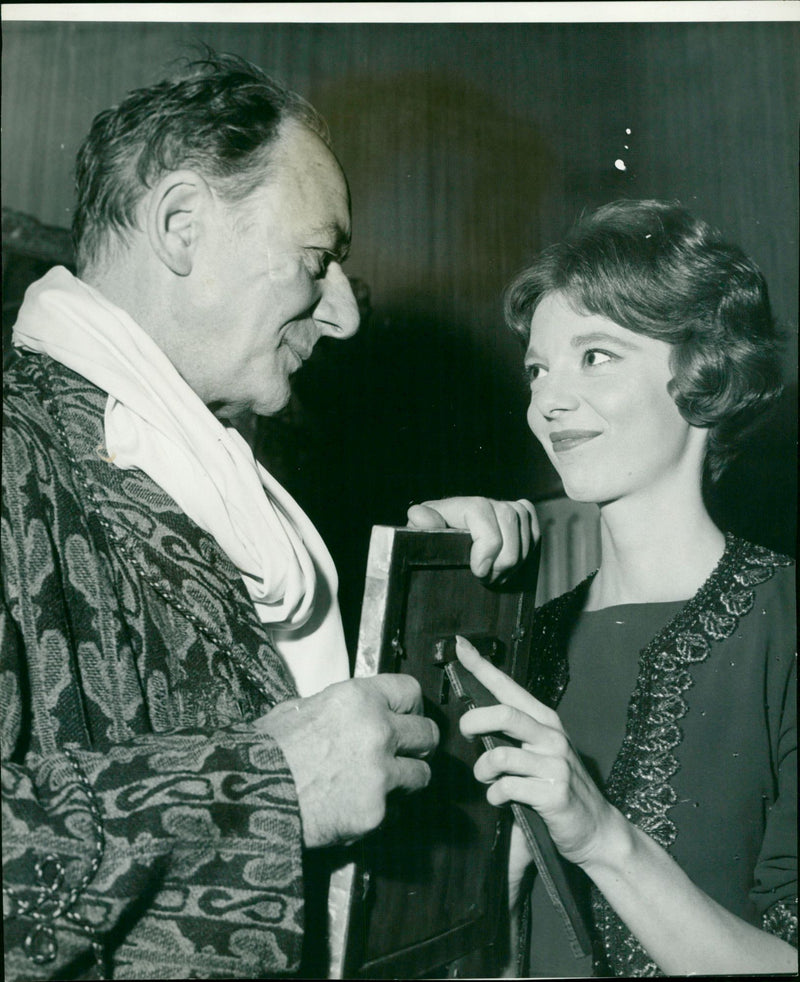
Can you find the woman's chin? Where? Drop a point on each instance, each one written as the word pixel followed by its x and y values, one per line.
pixel 585 493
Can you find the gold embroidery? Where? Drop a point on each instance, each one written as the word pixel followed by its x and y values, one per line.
pixel 103 454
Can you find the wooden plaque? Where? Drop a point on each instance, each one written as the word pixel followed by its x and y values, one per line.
pixel 429 887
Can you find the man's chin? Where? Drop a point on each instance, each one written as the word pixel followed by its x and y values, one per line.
pixel 236 412
pixel 272 406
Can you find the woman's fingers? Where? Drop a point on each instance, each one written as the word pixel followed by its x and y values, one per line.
pixel 502 531
pixel 520 762
pixel 517 725
pixel 544 772
pixel 538 792
pixel 518 528
pixel 504 689
pixel 543 782
pixel 424 517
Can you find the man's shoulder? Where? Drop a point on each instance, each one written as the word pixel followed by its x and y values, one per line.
pixel 22 377
pixel 24 396
pixel 43 405
pixel 35 385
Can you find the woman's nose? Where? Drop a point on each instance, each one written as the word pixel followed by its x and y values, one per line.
pixel 337 311
pixel 554 393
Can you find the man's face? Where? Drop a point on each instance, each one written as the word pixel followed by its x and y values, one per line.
pixel 267 281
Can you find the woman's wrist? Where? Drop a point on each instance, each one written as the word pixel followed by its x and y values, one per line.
pixel 613 849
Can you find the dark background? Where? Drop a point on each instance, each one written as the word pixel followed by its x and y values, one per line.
pixel 467 148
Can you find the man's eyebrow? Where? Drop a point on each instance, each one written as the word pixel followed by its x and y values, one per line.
pixel 332 230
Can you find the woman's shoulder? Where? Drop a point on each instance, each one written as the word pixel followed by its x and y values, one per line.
pixel 760 555
pixel 752 608
pixel 565 604
pixel 770 575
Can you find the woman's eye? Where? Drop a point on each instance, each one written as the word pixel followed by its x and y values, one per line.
pixel 534 372
pixel 596 357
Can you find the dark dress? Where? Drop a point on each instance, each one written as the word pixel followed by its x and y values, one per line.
pixel 685 714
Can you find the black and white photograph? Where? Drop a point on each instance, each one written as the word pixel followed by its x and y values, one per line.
pixel 399 490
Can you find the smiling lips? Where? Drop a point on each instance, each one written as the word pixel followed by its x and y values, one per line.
pixel 564 440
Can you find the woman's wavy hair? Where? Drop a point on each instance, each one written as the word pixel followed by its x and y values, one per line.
pixel 653 268
pixel 220 116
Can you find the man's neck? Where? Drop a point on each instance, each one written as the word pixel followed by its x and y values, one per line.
pixel 121 284
pixel 140 288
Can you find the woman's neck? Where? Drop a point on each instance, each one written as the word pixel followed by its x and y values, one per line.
pixel 654 551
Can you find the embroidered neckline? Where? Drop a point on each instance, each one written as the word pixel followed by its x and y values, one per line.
pixel 642 792
pixel 639 780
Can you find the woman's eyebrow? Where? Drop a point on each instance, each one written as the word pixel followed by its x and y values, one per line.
pixel 595 337
pixel 600 337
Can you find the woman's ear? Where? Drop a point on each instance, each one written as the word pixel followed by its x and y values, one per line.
pixel 175 214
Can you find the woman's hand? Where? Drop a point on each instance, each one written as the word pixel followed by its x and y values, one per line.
pixel 544 772
pixel 683 930
pixel 503 532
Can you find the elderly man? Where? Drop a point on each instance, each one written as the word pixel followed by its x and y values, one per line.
pixel 178 726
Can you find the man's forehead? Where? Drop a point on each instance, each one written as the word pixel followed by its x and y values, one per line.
pixel 313 185
pixel 318 216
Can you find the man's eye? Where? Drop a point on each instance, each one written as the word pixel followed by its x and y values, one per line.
pixel 318 261
pixel 596 357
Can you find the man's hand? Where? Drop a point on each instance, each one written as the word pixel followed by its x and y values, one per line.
pixel 348 747
pixel 502 531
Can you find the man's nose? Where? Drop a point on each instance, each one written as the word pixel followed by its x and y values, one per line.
pixel 337 311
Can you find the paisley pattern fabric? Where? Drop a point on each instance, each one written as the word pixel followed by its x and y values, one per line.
pixel 713 709
pixel 148 832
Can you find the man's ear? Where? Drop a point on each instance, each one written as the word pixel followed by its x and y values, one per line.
pixel 175 215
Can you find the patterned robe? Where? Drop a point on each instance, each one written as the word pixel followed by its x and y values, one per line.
pixel 147 831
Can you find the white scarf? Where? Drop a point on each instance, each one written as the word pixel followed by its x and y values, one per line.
pixel 155 422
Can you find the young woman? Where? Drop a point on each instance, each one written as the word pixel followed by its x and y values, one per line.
pixel 658 729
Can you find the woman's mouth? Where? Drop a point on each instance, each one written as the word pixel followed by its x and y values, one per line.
pixel 564 440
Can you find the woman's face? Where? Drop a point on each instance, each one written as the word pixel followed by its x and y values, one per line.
pixel 600 406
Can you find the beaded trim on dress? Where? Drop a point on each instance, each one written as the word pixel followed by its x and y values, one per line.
pixel 639 782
